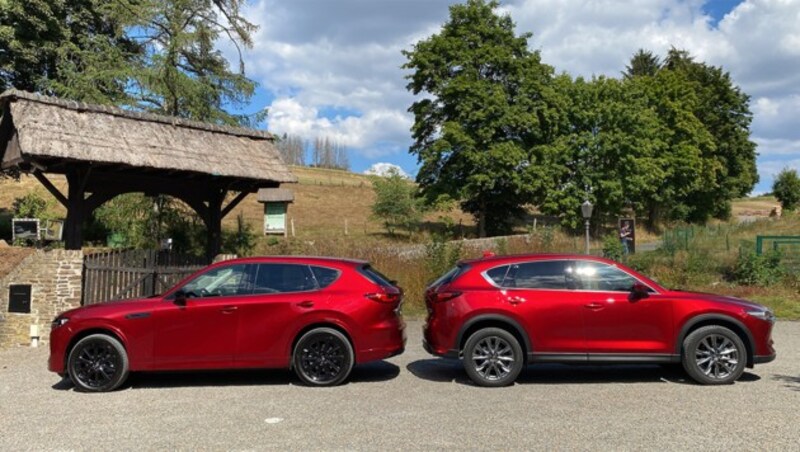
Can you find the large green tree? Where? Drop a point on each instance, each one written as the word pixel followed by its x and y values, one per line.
pixel 487 104
pixel 76 49
pixel 786 188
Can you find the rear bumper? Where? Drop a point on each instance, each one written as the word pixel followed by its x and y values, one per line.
pixel 383 341
pixel 762 359
pixel 452 354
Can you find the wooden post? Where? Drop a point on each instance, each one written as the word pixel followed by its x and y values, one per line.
pixel 76 209
pixel 214 224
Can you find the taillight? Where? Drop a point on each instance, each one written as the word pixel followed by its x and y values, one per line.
pixel 439 297
pixel 383 297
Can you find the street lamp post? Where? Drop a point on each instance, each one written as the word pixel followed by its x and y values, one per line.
pixel 586 210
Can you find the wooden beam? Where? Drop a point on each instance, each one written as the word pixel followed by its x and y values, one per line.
pixel 51 188
pixel 234 202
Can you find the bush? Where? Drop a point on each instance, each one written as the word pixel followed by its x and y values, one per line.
pixel 754 270
pixel 787 188
pixel 440 256
pixel 34 205
pixel 242 240
pixel 612 248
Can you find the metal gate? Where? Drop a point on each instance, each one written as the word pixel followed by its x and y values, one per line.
pixel 118 275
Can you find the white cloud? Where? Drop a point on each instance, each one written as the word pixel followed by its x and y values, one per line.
pixel 318 56
pixel 384 169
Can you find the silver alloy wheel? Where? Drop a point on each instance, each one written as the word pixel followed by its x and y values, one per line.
pixel 493 358
pixel 717 356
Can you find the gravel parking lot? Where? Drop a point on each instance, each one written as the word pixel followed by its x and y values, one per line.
pixel 413 401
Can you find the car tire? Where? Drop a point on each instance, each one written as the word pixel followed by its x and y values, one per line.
pixel 493 357
pixel 323 357
pixel 98 363
pixel 714 355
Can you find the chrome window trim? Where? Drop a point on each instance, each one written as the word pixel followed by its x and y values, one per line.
pixel 492 283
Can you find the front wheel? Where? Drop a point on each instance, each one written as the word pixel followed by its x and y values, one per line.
pixel 98 363
pixel 714 355
pixel 323 357
pixel 493 357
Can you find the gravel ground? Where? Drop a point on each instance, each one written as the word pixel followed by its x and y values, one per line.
pixel 413 401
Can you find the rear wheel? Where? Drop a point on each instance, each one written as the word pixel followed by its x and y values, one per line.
pixel 98 363
pixel 323 357
pixel 493 357
pixel 714 355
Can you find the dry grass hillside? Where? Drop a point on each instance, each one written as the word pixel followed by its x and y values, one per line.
pixel 324 200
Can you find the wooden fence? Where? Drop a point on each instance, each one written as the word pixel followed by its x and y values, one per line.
pixel 118 275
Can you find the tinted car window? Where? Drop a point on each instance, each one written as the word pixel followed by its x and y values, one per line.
pixel 540 275
pixel 376 276
pixel 221 281
pixel 497 274
pixel 604 277
pixel 278 278
pixel 325 276
pixel 450 276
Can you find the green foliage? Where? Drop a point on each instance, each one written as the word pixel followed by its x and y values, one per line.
pixel 613 248
pixel 242 240
pixel 643 63
pixel 396 203
pixel 76 49
pixel 488 102
pixel 501 246
pixel 138 221
pixel 181 72
pixel 754 270
pixel 786 188
pixel 441 256
pixel 34 205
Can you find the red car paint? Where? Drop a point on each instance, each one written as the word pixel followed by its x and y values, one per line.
pixel 576 325
pixel 241 331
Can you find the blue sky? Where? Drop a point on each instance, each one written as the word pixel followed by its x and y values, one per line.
pixel 332 68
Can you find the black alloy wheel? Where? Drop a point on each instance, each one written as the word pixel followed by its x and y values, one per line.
pixel 323 357
pixel 98 363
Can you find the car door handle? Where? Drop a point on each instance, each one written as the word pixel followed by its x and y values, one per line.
pixel 516 300
pixel 306 304
pixel 594 306
pixel 229 309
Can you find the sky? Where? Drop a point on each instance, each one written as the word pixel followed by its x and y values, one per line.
pixel 333 67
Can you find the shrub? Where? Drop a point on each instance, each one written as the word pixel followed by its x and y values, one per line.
pixel 752 269
pixel 34 205
pixel 612 247
pixel 240 241
pixel 440 256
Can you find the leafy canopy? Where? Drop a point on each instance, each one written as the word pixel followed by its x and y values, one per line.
pixel 787 188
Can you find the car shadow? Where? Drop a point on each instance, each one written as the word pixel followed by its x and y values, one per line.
pixel 792 382
pixel 447 370
pixel 363 373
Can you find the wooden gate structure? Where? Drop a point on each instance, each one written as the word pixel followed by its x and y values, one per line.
pixel 118 275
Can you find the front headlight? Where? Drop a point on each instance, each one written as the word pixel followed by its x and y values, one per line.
pixel 59 321
pixel 763 314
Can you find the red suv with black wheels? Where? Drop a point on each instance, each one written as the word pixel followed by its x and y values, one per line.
pixel 500 313
pixel 317 316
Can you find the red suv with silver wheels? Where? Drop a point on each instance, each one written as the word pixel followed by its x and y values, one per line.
pixel 500 313
pixel 317 316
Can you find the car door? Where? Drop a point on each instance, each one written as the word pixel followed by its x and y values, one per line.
pixel 617 322
pixel 282 293
pixel 541 293
pixel 201 332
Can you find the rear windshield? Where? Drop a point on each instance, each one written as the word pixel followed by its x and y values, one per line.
pixel 450 276
pixel 376 276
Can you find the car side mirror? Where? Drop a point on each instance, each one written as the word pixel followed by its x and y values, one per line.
pixel 180 298
pixel 639 291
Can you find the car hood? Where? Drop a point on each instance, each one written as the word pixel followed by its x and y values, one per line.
pixel 730 301
pixel 112 307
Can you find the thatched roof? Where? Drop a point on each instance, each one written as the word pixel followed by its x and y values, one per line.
pixel 47 127
pixel 275 195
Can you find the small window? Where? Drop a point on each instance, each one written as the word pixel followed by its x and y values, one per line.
pixel 282 278
pixel 540 275
pixel 376 276
pixel 603 277
pixel 450 276
pixel 19 298
pixel 498 274
pixel 325 276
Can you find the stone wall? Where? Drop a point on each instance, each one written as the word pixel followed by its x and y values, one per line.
pixel 55 279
